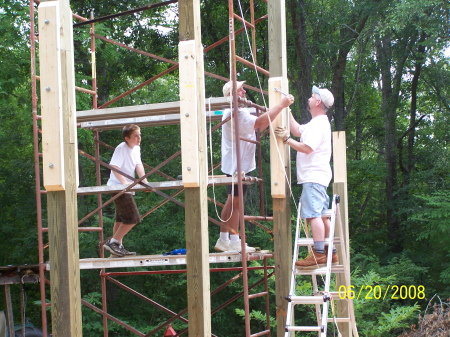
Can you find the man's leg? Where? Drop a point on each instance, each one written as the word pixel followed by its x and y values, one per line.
pixel 230 225
pixel 318 232
pixel 230 215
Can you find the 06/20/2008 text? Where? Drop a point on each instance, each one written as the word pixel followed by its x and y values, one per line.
pixel 381 292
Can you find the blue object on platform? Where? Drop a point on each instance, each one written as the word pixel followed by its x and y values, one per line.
pixel 181 251
pixel 218 112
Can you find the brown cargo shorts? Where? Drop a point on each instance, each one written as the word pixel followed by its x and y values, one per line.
pixel 126 209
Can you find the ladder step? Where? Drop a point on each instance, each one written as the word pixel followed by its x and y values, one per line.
pixel 339 320
pixel 319 271
pixel 318 299
pixel 309 241
pixel 304 328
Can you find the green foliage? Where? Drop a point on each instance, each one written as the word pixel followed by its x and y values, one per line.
pixel 380 310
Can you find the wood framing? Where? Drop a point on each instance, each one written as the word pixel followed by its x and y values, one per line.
pixel 196 210
pixel 189 106
pixel 278 151
pixel 281 206
pixel 340 188
pixel 52 124
pixel 55 23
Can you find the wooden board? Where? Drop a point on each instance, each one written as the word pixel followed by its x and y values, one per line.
pixel 51 105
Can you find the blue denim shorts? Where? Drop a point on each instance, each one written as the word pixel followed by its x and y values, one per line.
pixel 314 200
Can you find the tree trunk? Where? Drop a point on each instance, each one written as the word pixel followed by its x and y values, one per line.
pixel 303 79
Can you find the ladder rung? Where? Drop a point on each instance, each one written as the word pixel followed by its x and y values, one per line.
pixel 310 241
pixel 304 328
pixel 335 296
pixel 339 320
pixel 319 271
pixel 319 299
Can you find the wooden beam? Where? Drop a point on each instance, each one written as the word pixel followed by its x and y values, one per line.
pixel 278 153
pixel 188 119
pixel 340 188
pixel 196 210
pixel 9 308
pixel 145 110
pixel 55 23
pixel 281 206
pixel 52 124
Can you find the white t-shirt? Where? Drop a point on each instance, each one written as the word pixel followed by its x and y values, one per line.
pixel 247 149
pixel 126 160
pixel 315 167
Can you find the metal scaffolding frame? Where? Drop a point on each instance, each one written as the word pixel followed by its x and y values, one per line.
pixel 93 115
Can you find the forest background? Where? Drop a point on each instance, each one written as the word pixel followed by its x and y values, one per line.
pixel 387 63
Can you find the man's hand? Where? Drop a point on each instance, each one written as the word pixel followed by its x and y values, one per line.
pixel 287 101
pixel 282 133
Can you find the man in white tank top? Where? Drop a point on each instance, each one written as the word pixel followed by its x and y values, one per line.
pixel 229 239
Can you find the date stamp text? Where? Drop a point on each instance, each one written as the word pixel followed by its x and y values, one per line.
pixel 382 292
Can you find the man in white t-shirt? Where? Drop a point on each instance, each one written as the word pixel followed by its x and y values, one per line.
pixel 313 171
pixel 127 159
pixel 229 239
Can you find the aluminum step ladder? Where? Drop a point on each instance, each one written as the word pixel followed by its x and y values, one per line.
pixel 322 299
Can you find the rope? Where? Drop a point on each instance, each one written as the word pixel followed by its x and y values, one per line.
pixel 212 168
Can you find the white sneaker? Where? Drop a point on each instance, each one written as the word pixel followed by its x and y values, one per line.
pixel 222 246
pixel 237 246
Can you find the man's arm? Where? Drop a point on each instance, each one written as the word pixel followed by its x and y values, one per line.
pixel 294 126
pixel 299 146
pixel 263 121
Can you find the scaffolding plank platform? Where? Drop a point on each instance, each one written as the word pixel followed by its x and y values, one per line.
pixel 162 260
pixel 154 109
pixel 156 114
pixel 163 185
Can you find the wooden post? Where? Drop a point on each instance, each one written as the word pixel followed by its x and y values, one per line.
pixel 281 203
pixel 58 104
pixel 278 153
pixel 9 309
pixel 340 188
pixel 192 112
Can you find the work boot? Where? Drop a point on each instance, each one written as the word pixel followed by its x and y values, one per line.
pixel 312 261
pixel 334 257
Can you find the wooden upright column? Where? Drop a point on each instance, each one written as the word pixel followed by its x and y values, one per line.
pixel 340 188
pixel 60 167
pixel 281 200
pixel 194 167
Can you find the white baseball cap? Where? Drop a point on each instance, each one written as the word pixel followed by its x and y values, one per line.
pixel 229 86
pixel 326 96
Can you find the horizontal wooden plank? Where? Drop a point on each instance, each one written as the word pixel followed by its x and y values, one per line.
pixel 155 109
pixel 144 121
pixel 163 185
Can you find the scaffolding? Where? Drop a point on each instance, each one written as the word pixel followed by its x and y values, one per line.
pixel 102 117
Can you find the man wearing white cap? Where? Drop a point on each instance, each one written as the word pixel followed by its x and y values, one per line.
pixel 313 171
pixel 229 239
